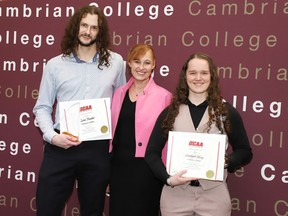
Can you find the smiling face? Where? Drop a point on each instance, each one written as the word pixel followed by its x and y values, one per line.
pixel 198 77
pixel 142 67
pixel 88 30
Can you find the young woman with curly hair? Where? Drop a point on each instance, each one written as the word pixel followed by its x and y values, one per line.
pixel 197 106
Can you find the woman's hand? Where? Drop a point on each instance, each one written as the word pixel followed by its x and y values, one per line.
pixel 178 179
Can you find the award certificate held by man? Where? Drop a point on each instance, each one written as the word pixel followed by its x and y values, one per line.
pixel 201 154
pixel 86 119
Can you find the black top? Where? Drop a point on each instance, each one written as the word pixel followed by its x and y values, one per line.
pixel 197 112
pixel 133 186
pixel 123 145
pixel 241 151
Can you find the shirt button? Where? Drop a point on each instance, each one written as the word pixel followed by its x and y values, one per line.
pixel 139 144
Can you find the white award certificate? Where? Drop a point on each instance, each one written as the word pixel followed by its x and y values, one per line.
pixel 201 154
pixel 86 119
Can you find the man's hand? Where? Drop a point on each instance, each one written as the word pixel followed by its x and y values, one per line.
pixel 65 141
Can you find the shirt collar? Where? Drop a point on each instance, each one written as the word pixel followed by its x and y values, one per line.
pixel 78 60
pixel 203 104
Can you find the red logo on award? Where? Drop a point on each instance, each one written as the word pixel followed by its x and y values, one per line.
pixel 86 108
pixel 196 143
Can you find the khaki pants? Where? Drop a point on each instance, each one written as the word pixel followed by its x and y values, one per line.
pixel 194 201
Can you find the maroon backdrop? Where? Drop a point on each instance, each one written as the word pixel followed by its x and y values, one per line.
pixel 248 40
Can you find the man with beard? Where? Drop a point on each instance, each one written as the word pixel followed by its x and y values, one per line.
pixel 86 69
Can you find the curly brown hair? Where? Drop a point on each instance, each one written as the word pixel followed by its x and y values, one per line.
pixel 70 42
pixel 217 110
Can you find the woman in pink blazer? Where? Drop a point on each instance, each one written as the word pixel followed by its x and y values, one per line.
pixel 135 107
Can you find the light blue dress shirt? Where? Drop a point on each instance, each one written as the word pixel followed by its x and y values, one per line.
pixel 68 78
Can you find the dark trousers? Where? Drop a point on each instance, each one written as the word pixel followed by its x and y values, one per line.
pixel 88 163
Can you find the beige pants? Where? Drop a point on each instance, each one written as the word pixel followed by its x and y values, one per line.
pixel 194 201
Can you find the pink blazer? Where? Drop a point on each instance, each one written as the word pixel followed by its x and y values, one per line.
pixel 148 107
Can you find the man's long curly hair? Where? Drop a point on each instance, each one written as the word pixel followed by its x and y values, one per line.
pixel 216 107
pixel 70 42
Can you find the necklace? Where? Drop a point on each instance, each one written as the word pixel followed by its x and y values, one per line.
pixel 135 92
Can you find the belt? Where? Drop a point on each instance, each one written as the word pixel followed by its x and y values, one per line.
pixel 195 183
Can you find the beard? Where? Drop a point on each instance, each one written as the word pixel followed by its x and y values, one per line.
pixel 86 44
